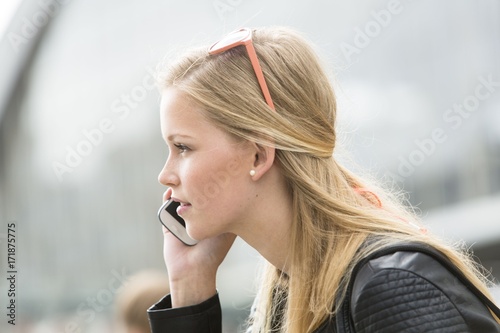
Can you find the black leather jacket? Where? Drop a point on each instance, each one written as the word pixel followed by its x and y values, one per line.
pixel 399 292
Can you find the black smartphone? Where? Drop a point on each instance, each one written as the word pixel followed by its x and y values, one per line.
pixel 174 223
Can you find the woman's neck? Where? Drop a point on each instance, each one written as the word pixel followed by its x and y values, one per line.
pixel 267 226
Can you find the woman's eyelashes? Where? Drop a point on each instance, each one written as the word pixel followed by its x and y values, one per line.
pixel 181 148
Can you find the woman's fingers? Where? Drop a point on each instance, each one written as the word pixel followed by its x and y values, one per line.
pixel 167 194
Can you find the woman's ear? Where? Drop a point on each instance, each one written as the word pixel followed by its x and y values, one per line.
pixel 263 160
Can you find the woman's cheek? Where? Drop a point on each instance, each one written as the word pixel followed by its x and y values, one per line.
pixel 201 191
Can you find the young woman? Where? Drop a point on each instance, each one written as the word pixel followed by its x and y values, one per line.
pixel 250 128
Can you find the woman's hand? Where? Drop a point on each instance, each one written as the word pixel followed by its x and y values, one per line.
pixel 192 269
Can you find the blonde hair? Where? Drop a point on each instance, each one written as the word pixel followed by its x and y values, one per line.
pixel 333 215
pixel 142 290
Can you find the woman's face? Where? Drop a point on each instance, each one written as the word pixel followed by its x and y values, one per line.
pixel 207 168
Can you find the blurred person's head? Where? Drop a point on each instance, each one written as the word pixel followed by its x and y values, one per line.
pixel 134 298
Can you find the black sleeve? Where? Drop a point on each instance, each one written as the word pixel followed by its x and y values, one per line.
pixel 205 317
pixel 411 292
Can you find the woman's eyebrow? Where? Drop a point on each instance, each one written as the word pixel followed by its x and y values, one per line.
pixel 173 137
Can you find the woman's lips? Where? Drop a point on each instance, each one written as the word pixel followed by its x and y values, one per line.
pixel 182 208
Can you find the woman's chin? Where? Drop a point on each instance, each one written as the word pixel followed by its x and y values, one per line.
pixel 199 235
pixel 196 235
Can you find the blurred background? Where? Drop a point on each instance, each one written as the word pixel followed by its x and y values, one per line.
pixel 418 84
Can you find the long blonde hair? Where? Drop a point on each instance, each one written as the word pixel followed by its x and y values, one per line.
pixel 333 214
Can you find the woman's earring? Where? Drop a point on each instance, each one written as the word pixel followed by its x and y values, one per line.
pixel 252 173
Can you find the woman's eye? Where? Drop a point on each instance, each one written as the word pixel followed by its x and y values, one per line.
pixel 181 148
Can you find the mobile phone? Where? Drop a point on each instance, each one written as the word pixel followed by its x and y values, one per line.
pixel 174 223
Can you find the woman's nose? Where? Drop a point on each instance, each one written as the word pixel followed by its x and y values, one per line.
pixel 167 177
